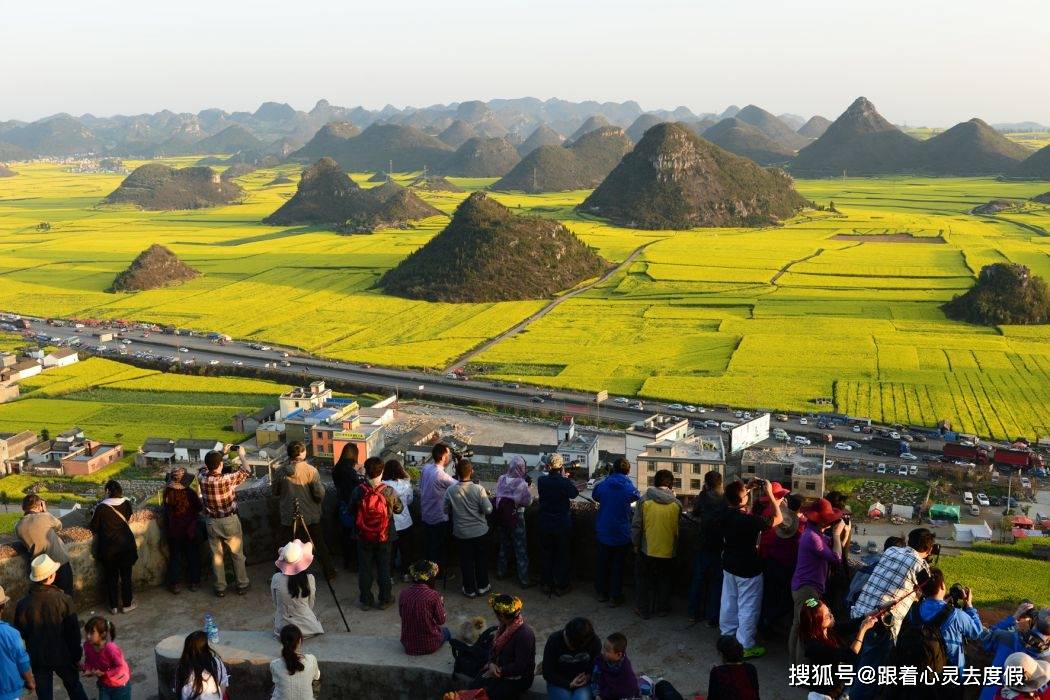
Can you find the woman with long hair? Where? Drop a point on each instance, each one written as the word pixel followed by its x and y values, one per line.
pixel 512 659
pixel 182 530
pixel 294 591
pixel 200 675
pixel 826 642
pixel 396 477
pixel 115 546
pixel 293 673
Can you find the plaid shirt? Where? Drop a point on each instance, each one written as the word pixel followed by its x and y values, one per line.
pixel 422 614
pixel 894 575
pixel 217 491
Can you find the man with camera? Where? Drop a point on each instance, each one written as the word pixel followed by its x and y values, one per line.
pixel 1026 631
pixel 889 592
pixel 434 481
pixel 741 565
pixel 959 620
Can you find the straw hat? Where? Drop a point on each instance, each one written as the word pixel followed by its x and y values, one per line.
pixel 787 529
pixel 1035 674
pixel 295 557
pixel 555 461
pixel 42 567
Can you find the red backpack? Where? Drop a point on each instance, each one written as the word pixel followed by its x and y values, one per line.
pixel 373 515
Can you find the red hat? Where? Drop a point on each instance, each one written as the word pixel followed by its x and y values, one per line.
pixel 821 513
pixel 778 490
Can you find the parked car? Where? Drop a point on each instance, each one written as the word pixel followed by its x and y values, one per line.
pixel 880 468
pixel 622 399
pixel 1026 482
pixel 843 446
pixel 903 470
pixel 537 399
pixel 913 470
pixel 801 440
pixel 675 407
pixel 738 414
pixel 184 349
pixel 782 417
pixel 747 415
pixel 829 464
pixel 968 498
pixel 894 435
pixel 803 421
pixel 909 456
pixel 872 547
pixel 711 423
pixel 975 511
pixel 638 406
pixel 214 362
pixel 855 428
pixel 690 409
pixel 982 499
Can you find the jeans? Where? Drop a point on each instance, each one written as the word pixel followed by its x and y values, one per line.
pixel 557 693
pixel 705 590
pixel 555 549
pixel 373 564
pixel 227 531
pixel 874 652
pixel 316 535
pixel 655 575
pixel 514 542
pixel 608 580
pixel 741 605
pixel 121 693
pixel 69 675
pixel 473 563
pixel 184 549
pixel 434 541
pixel 116 576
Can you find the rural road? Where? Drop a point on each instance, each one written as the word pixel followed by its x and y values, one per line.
pixel 553 304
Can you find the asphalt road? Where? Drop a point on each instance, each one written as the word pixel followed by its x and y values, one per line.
pixel 437 386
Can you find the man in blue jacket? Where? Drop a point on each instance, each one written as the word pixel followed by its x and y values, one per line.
pixel 961 624
pixel 1020 632
pixel 614 495
pixel 16 675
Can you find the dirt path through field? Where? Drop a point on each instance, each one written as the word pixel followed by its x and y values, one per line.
pixel 787 267
pixel 477 350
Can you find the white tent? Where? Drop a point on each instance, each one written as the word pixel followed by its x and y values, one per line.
pixel 972 533
pixel 898 510
pixel 876 510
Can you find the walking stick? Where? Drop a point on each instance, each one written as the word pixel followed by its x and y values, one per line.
pixel 297 521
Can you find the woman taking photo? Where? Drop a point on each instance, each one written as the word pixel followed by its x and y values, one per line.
pixel 115 547
pixel 182 530
pixel 294 591
pixel 826 642
pixel 395 476
pixel 294 673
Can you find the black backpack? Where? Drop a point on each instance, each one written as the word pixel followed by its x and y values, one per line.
pixel 921 643
pixel 470 659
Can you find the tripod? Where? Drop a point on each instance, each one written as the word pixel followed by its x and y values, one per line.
pixel 299 522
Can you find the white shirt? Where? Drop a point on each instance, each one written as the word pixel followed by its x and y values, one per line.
pixel 297 687
pixel 210 690
pixel 294 611
pixel 403 489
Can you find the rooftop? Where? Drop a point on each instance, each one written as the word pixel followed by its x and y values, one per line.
pixel 656 424
pixel 707 448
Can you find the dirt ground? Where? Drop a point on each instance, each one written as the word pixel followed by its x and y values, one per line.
pixel 660 647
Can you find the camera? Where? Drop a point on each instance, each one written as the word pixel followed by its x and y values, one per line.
pixel 1030 614
pixel 957 595
pixel 846 518
pixel 756 483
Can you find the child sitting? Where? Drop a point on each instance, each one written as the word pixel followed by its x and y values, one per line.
pixel 104 660
pixel 734 679
pixel 613 678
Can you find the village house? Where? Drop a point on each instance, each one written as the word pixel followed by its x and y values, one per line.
pixel 156 453
pixel 8 392
pixel 249 422
pixel 13 447
pixel 7 359
pixel 62 357
pixel 21 370
pixel 304 398
pixel 71 454
pixel 193 449
pixel 689 459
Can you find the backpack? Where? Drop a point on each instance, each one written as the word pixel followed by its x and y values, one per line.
pixel 373 514
pixel 506 515
pixel 921 643
pixel 470 659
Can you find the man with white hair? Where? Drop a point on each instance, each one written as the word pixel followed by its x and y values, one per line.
pixel 555 525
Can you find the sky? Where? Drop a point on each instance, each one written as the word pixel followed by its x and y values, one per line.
pixel 922 63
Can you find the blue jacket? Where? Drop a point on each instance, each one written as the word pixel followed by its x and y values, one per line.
pixel 1003 640
pixel 615 493
pixel 555 492
pixel 14 661
pixel 960 626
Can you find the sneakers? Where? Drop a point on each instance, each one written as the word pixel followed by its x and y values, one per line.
pixel 470 594
pixel 220 594
pixel 243 590
pixel 483 591
pixel 114 611
pixel 129 608
pixel 754 652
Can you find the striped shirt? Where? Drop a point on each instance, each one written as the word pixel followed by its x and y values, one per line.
pixel 894 576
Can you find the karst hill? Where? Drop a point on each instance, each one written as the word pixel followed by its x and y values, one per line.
pixel 153 268
pixel 158 187
pixel 581 164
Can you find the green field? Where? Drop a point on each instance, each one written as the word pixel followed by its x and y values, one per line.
pixel 112 401
pixel 829 305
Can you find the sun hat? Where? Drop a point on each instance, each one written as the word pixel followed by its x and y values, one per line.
pixel 821 512
pixel 787 529
pixel 1034 673
pixel 555 461
pixel 42 567
pixel 4 598
pixel 779 490
pixel 423 571
pixel 295 557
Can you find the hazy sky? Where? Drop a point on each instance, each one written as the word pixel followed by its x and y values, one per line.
pixel 921 62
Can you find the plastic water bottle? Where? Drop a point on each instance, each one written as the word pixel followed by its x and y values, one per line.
pixel 211 629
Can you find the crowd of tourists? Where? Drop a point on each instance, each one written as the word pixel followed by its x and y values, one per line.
pixel 765 568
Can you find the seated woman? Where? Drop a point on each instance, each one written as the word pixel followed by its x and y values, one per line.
pixel 568 659
pixel 828 642
pixel 293 590
pixel 294 673
pixel 200 675
pixel 422 611
pixel 512 660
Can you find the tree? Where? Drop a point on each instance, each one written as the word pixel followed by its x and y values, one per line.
pixel 5 500
pixel 45 434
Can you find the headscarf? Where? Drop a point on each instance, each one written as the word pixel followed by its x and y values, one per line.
pixel 512 484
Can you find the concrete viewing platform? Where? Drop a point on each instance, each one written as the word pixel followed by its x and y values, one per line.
pixel 660 647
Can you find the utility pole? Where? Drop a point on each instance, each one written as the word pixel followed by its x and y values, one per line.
pixel 390 169
pixel 534 178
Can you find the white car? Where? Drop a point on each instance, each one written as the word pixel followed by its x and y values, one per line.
pixel 618 399
pixel 829 464
pixel 184 349
pixel 895 435
pixel 881 468
pixel 801 440
pixel 903 471
pixel 738 414
pixel 843 446
pixel 913 470
pixel 803 421
pixel 747 415
pixel 1026 482
pixel 675 407
pixel 855 428
pixel 265 348
pixel 238 363
pixel 909 456
pixel 214 362
pixel 982 499
pixel 690 409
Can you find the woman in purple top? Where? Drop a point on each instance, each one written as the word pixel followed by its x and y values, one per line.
pixel 512 498
pixel 815 552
